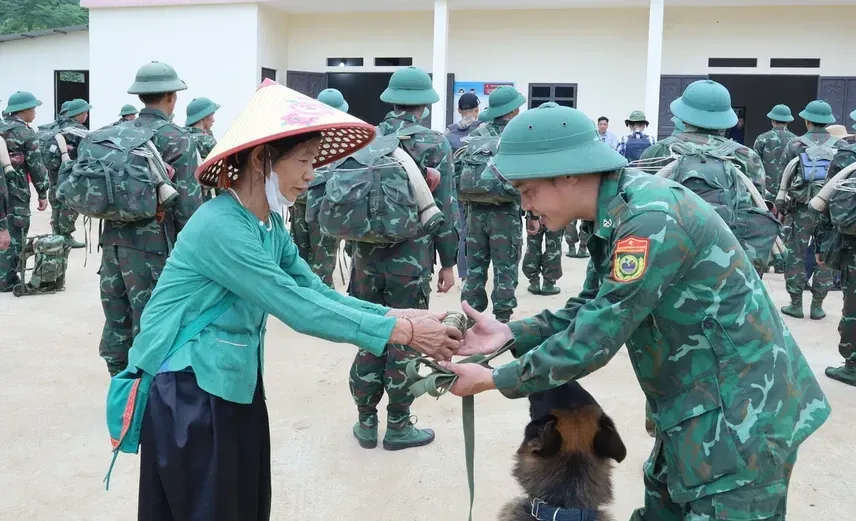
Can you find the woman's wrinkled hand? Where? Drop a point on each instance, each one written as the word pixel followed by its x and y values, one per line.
pixel 428 336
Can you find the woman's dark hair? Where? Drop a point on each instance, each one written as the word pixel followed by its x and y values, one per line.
pixel 278 149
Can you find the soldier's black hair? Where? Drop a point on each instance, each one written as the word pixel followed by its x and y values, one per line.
pixel 151 99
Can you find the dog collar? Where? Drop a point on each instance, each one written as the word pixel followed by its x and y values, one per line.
pixel 544 512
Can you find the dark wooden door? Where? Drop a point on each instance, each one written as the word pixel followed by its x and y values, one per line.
pixel 309 83
pixel 671 88
pixel 840 92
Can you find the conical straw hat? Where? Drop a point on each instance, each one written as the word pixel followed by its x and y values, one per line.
pixel 276 112
pixel 839 131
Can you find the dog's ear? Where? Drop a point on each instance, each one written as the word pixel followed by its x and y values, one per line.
pixel 607 442
pixel 541 437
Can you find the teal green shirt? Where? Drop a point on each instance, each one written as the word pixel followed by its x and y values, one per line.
pixel 224 248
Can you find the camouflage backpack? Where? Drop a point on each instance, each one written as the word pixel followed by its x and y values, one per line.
pixel 813 167
pixel 368 197
pixel 708 171
pixel 474 159
pixel 50 147
pixel 50 253
pixel 314 194
pixel 842 205
pixel 116 175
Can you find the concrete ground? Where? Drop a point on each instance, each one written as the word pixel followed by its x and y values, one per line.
pixel 54 449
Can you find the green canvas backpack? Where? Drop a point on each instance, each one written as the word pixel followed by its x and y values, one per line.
pixel 50 261
pixel 812 169
pixel 368 197
pixel 842 203
pixel 472 187
pixel 51 151
pixel 314 194
pixel 708 171
pixel 116 175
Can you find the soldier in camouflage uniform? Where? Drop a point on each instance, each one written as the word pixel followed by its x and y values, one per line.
pixel 837 249
pixel 456 133
pixel 133 254
pixel 576 241
pixel 5 238
pixel 317 249
pixel 399 275
pixel 71 125
pixel 200 120
pixel 732 403
pixel 26 159
pixel 802 221
pixel 543 257
pixel 127 113
pixel 494 232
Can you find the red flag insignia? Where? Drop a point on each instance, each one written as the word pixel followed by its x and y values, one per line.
pixel 630 259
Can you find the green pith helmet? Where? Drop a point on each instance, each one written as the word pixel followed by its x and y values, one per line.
pixel 552 141
pixel 64 107
pixel 819 112
pixel 333 98
pixel 853 117
pixel 199 109
pixel 76 107
pixel 504 100
pixel 21 100
pixel 705 104
pixel 637 116
pixel 781 113
pixel 410 87
pixel 156 77
pixel 127 110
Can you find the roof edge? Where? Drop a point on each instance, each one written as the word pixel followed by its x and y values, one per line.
pixel 43 32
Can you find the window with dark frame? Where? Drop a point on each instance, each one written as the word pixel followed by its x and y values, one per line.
pixel 393 62
pixel 268 74
pixel 795 63
pixel 564 94
pixel 344 62
pixel 733 62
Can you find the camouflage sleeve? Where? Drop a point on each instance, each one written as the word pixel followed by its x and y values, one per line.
pixel 180 153
pixel 654 152
pixel 754 167
pixel 531 332
pixel 760 145
pixel 35 167
pixel 446 238
pixel 4 196
pixel 606 322
pixel 788 154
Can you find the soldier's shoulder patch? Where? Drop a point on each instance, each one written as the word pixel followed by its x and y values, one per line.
pixel 630 259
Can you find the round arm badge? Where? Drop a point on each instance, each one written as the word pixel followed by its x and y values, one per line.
pixel 630 259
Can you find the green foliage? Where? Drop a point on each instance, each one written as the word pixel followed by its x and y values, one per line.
pixel 18 16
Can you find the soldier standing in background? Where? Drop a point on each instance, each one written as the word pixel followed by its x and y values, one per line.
pixel 771 144
pixel 26 159
pixel 199 122
pixel 576 240
pixel 399 275
pixel 127 113
pixel 800 218
pixel 133 254
pixel 72 128
pixel 456 133
pixel 494 233
pixel 546 262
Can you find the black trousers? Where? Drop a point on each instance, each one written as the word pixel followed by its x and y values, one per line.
pixel 203 458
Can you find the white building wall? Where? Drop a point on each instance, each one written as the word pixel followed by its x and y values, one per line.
pixel 29 65
pixel 214 49
pixel 273 41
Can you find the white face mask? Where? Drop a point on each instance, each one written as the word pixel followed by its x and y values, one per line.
pixel 275 199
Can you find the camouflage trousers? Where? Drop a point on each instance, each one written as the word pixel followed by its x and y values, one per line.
pixel 546 262
pixel 128 277
pixel 62 217
pixel 572 236
pixel 763 500
pixel 318 250
pixel 462 240
pixel 847 326
pixel 494 234
pixel 371 375
pixel 802 222
pixel 19 226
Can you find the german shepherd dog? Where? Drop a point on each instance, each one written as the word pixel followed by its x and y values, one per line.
pixel 563 463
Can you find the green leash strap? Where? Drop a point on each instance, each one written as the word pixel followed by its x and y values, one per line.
pixel 438 383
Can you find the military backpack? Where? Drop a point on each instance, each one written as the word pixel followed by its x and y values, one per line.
pixel 842 203
pixel 50 261
pixel 53 148
pixel 636 143
pixel 709 172
pixel 813 168
pixel 368 197
pixel 117 175
pixel 472 188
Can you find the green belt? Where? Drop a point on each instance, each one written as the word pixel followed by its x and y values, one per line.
pixel 438 383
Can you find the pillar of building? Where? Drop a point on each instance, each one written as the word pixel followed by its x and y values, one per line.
pixel 655 64
pixel 439 69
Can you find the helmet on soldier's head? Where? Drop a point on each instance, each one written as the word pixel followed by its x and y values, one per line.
pixel 155 78
pixel 333 98
pixel 64 107
pixel 705 104
pixel 127 110
pixel 21 101
pixel 502 101
pixel 819 112
pixel 781 113
pixel 76 107
pixel 552 141
pixel 410 87
pixel 199 109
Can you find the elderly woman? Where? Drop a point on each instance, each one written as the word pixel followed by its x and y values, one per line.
pixel 205 439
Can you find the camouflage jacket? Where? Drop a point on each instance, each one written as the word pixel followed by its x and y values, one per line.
pixel 205 141
pixel 4 198
pixel 730 390
pixel 826 236
pixel 769 146
pixel 415 257
pixel 795 147
pixel 22 142
pixel 178 150
pixel 73 139
pixel 748 161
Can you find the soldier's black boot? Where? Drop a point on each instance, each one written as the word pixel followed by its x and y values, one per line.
pixel 844 374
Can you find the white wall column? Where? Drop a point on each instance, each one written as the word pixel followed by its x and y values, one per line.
pixel 441 53
pixel 655 64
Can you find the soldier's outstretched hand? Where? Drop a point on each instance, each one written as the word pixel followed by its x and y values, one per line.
pixel 486 336
pixel 43 205
pixel 5 240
